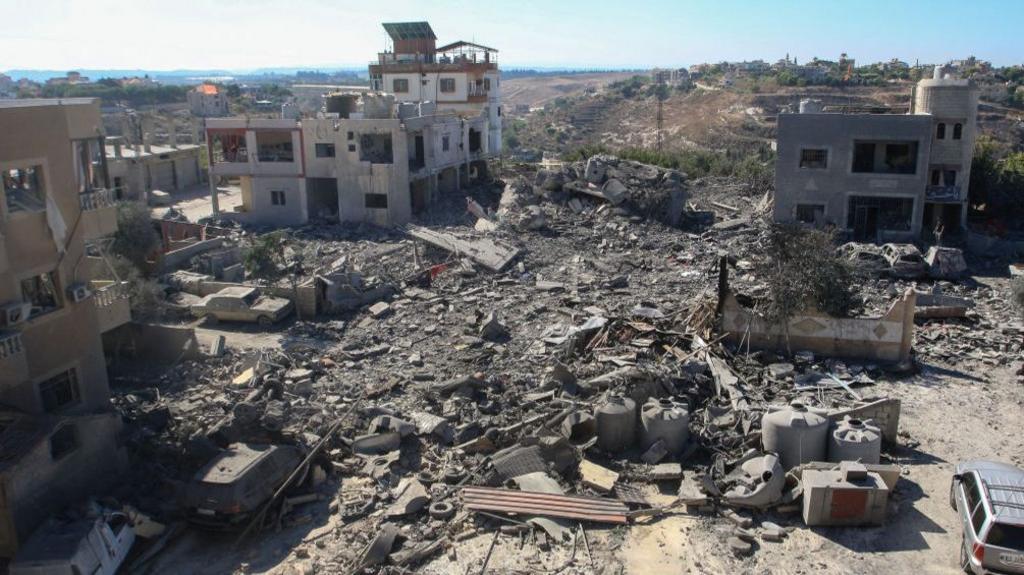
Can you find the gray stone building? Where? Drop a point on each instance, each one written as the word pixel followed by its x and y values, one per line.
pixel 880 177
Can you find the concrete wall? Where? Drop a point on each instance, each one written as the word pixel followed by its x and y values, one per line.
pixel 154 342
pixel 833 185
pixel 885 339
pixel 37 486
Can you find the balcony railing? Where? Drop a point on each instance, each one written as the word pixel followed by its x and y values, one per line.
pixel 942 193
pixel 478 91
pixel 10 344
pixel 97 199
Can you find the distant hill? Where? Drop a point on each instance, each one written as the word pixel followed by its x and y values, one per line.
pixel 182 76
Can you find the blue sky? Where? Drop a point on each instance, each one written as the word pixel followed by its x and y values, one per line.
pixel 244 34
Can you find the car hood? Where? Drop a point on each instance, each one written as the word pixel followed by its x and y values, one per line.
pixel 267 303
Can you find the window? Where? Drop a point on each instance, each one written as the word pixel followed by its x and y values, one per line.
pixel 949 177
pixel 376 201
pixel 895 157
pixel 936 177
pixel 351 136
pixel 376 149
pixel 958 131
pixel 60 391
pixel 277 197
pixel 24 190
pixel 445 143
pixel 487 84
pixel 41 291
pixel 971 492
pixel 351 147
pixel 325 150
pixel 814 158
pixel 400 85
pixel 810 213
pixel 1007 536
pixel 978 518
pixel 940 131
pixel 229 148
pixel 447 85
pixel 63 441
pixel 90 164
pixel 880 213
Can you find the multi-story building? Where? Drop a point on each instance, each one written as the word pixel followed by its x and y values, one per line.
pixel 58 432
pixel 460 77
pixel 136 170
pixel 366 158
pixel 880 176
pixel 207 101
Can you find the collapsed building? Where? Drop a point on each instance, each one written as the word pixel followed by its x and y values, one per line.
pixel 880 177
pixel 58 430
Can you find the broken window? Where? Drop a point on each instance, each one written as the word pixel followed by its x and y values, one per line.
pixel 23 189
pixel 376 201
pixel 810 213
pixel 885 157
pixel 936 177
pixel 325 150
pixel 880 213
pixel 814 158
pixel 276 197
pixel 42 293
pixel 447 85
pixel 949 177
pixel 90 164
pixel 274 146
pixel 958 131
pixel 63 441
pixel 376 148
pixel 59 391
pixel 445 143
pixel 351 136
pixel 474 140
pixel 400 85
pixel 229 148
pixel 940 131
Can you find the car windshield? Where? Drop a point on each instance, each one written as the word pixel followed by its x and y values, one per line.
pixel 251 298
pixel 1006 536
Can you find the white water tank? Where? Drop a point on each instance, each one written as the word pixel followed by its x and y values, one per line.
pixel 855 440
pixel 796 432
pixel 666 420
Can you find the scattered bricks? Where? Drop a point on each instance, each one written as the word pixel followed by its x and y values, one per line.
pixel 737 519
pixel 666 471
pixel 380 309
pixel 739 547
pixel 596 477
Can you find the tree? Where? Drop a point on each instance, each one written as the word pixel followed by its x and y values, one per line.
pixel 136 238
pixel 264 258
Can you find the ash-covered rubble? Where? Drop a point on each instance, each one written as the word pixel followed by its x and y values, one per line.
pixel 467 387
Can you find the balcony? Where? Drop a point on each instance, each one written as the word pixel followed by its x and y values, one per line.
pixel 113 305
pixel 943 193
pixel 99 213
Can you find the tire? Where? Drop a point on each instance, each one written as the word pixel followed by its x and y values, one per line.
pixel 264 321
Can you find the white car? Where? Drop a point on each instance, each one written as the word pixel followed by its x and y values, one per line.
pixel 242 304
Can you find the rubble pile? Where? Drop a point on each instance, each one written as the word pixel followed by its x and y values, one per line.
pixel 587 371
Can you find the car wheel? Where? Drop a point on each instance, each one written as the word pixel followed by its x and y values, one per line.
pixel 965 557
pixel 264 321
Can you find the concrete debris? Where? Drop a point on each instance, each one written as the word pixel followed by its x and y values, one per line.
pixel 596 477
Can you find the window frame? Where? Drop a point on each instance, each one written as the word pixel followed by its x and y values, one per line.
pixel 38 169
pixel 958 131
pixel 940 131
pixel 372 198
pixel 72 446
pixel 446 85
pixel 445 143
pixel 806 163
pixel 396 82
pixel 55 285
pixel 275 195
pixel 796 211
pixel 48 388
pixel 327 148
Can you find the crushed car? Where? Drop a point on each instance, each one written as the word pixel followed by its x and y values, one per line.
pixel 905 261
pixel 242 304
pixel 93 545
pixel 236 482
pixel 866 258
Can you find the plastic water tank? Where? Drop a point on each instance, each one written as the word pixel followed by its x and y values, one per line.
pixel 796 432
pixel 666 420
pixel 855 440
pixel 616 424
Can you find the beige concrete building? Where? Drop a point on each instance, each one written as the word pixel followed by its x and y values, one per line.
pixel 137 170
pixel 57 428
pixel 370 159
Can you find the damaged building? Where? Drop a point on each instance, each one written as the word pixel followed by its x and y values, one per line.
pixel 138 170
pixel 58 430
pixel 880 177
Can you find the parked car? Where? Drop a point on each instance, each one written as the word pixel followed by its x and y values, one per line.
pixel 235 483
pixel 94 546
pixel 242 304
pixel 987 497
pixel 866 258
pixel 905 261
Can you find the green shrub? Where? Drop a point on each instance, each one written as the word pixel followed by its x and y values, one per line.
pixel 136 237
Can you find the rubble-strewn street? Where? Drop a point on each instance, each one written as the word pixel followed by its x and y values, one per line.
pixel 467 377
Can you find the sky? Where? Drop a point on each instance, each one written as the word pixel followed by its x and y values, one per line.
pixel 248 34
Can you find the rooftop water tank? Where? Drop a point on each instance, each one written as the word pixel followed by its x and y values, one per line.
pixel 796 432
pixel 855 440
pixel 616 424
pixel 811 106
pixel 666 420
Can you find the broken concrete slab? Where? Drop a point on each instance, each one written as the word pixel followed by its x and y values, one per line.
pixel 412 497
pixel 596 477
pixel 491 254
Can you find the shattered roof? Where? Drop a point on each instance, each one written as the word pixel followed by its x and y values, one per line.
pixel 409 30
pixel 464 44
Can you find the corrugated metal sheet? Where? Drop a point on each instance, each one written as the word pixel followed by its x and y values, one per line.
pixel 544 504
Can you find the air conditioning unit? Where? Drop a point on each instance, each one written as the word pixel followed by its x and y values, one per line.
pixel 13 313
pixel 78 292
